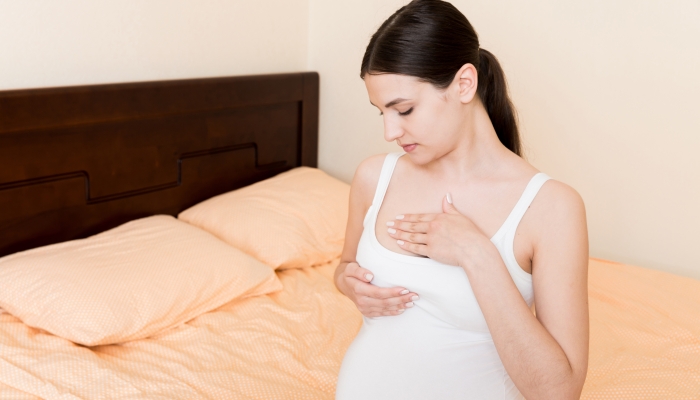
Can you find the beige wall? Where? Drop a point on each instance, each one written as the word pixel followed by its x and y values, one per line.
pixel 609 99
pixel 72 42
pixel 607 91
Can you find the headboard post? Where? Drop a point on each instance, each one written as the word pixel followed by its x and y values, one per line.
pixel 309 119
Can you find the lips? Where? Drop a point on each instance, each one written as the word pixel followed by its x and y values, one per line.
pixel 409 147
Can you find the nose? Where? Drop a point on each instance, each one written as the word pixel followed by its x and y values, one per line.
pixel 392 129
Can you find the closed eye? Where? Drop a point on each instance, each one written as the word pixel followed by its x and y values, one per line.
pixel 401 113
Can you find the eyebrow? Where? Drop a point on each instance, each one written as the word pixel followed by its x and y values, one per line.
pixel 391 103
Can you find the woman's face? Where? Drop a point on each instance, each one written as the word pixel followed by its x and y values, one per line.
pixel 422 119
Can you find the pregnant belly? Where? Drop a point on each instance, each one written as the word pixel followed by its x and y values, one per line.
pixel 416 356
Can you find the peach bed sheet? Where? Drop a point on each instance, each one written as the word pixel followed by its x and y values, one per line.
pixel 286 345
pixel 645 334
pixel 645 344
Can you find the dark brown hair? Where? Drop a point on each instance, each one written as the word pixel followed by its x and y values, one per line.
pixel 432 40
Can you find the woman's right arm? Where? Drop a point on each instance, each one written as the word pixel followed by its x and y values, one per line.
pixel 350 278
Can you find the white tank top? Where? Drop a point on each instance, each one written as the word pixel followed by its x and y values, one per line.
pixel 441 348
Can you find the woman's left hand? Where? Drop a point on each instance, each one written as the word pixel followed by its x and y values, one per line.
pixel 450 237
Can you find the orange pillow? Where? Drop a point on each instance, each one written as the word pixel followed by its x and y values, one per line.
pixel 128 283
pixel 293 220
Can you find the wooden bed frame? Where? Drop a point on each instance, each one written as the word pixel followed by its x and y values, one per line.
pixel 76 161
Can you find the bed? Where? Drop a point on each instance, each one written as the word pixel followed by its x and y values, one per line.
pixel 81 160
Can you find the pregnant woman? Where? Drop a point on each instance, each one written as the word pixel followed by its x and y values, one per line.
pixel 453 245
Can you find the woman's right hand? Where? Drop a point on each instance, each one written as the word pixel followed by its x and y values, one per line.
pixel 371 300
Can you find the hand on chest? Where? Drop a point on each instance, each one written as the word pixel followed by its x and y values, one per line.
pixel 487 208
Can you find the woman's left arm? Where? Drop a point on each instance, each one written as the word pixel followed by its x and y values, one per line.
pixel 546 355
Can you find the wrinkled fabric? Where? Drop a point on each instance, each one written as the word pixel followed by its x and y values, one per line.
pixel 293 220
pixel 645 344
pixel 287 345
pixel 130 282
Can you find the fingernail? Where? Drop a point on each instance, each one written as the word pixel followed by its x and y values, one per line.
pixel 449 198
pixel 414 298
pixel 405 291
pixel 400 242
pixel 392 230
pixel 402 310
pixel 399 216
pixel 409 304
pixel 390 223
pixel 369 276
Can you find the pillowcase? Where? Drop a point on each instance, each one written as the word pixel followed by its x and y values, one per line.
pixel 293 220
pixel 129 282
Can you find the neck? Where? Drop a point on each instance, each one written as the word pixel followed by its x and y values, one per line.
pixel 477 154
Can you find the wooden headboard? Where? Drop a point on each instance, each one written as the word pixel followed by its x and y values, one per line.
pixel 75 161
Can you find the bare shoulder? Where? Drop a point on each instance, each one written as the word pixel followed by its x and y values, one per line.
pixel 557 200
pixel 561 218
pixel 366 178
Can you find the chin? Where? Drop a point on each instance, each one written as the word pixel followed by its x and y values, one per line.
pixel 419 157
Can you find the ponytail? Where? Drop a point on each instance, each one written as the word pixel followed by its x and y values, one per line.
pixel 493 92
pixel 432 40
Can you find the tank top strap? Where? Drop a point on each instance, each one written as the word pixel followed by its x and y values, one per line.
pixel 385 177
pixel 531 190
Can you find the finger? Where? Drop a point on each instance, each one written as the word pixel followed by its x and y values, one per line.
pixel 448 206
pixel 408 236
pixel 382 309
pixel 378 293
pixel 381 304
pixel 384 293
pixel 419 227
pixel 372 314
pixel 353 269
pixel 416 217
pixel 364 289
pixel 413 247
pixel 396 307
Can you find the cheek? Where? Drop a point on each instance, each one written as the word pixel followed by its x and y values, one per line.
pixel 427 124
pixel 437 125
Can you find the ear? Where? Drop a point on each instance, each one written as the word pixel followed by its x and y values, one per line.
pixel 466 81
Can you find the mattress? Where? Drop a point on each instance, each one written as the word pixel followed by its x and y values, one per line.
pixel 645 344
